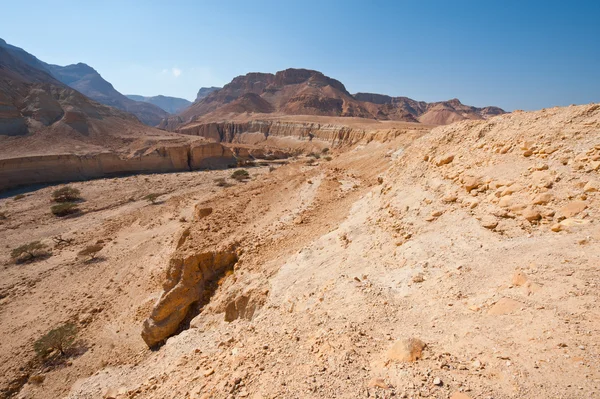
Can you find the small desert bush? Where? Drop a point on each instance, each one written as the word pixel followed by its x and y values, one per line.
pixel 315 155
pixel 325 150
pixel 18 197
pixel 29 252
pixel 91 251
pixel 64 209
pixel 221 182
pixel 240 175
pixel 3 216
pixel 328 158
pixel 59 339
pixel 66 194
pixel 152 197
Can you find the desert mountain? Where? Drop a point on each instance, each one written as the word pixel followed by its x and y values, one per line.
pixel 34 101
pixel 39 115
pixel 307 92
pixel 436 113
pixel 88 81
pixel 205 91
pixel 290 92
pixel 168 104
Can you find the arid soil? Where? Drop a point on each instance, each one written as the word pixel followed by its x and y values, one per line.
pixel 457 263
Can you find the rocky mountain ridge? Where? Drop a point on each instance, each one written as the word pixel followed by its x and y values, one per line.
pixel 89 82
pixel 308 92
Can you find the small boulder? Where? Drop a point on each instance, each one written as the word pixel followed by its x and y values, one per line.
pixel 542 179
pixel 519 279
pixel 450 197
pixel 531 214
pixel 444 160
pixel 571 209
pixel 203 212
pixel 407 350
pixel 489 222
pixel 471 183
pixel 591 187
pixel 542 198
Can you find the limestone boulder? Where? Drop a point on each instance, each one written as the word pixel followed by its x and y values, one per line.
pixel 184 285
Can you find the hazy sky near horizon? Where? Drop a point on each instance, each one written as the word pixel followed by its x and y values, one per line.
pixel 513 54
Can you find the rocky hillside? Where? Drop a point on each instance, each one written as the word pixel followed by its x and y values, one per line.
pixel 436 113
pixel 42 119
pixel 168 104
pixel 35 102
pixel 89 82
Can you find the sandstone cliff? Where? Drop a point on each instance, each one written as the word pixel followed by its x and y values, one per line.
pixel 335 134
pixel 69 167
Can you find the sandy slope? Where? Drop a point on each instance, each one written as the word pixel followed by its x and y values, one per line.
pixel 480 239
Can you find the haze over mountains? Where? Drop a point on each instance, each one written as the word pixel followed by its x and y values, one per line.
pixel 171 105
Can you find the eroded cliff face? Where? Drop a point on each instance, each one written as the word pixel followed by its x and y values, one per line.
pixel 68 167
pixel 246 132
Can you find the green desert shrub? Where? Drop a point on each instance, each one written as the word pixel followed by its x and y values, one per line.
pixel 152 197
pixel 64 209
pixel 328 158
pixel 66 194
pixel 240 175
pixel 18 197
pixel 28 252
pixel 57 340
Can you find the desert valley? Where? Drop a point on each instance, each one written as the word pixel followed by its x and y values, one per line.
pixel 281 237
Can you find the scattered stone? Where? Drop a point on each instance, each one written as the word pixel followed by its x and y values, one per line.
pixel 418 278
pixel 437 381
pixel 209 372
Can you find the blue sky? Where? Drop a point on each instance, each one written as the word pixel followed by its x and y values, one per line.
pixel 514 54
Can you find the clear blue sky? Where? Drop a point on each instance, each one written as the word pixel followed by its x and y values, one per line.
pixel 514 54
